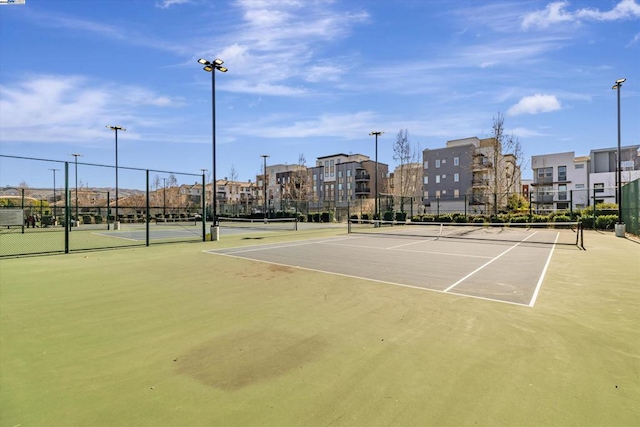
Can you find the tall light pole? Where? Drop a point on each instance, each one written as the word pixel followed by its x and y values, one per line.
pixel 377 214
pixel 54 192
pixel 211 67
pixel 264 185
pixel 620 228
pixel 76 162
pixel 116 129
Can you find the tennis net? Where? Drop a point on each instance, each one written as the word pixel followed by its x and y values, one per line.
pixel 560 233
pixel 259 224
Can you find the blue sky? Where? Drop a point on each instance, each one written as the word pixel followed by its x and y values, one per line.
pixel 307 76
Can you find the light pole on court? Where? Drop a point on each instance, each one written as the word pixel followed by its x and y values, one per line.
pixel 264 185
pixel 116 129
pixel 377 201
pixel 620 226
pixel 211 67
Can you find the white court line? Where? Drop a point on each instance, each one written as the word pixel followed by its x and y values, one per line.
pixel 407 250
pixel 372 280
pixel 544 271
pixel 265 246
pixel 117 237
pixel 407 244
pixel 487 263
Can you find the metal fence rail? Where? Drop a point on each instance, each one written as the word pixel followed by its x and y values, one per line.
pixel 155 207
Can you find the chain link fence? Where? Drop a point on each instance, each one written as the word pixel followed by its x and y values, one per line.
pixel 73 214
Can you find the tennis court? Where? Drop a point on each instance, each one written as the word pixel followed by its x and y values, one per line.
pixel 497 264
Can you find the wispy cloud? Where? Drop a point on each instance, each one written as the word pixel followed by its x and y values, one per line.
pixel 535 104
pixel 556 13
pixel 165 4
pixel 277 44
pixel 71 108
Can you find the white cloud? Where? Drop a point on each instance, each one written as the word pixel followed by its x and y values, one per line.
pixel 278 41
pixel 535 104
pixel 556 13
pixel 164 4
pixel 72 108
pixel 633 41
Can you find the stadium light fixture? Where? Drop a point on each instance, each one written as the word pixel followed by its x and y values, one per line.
pixel 211 67
pixel 377 201
pixel 620 226
pixel 116 129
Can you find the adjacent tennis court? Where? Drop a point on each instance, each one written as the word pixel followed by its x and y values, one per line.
pixel 504 264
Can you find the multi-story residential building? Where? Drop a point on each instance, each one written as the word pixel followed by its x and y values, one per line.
pixel 560 182
pixel 447 175
pixel 339 180
pixel 469 175
pixel 603 177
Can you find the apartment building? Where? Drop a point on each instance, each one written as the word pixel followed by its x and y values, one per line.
pixel 603 177
pixel 340 179
pixel 560 182
pixel 469 175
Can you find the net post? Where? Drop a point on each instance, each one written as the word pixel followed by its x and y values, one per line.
pixel 108 212
pixel 204 208
pixel 530 206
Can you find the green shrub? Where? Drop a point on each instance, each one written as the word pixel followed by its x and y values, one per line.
pixel 388 216
pixel 445 218
pixel 98 219
pixel 401 216
pixel 478 219
pixel 606 222
pixel 87 219
pixel 561 218
pixel 366 216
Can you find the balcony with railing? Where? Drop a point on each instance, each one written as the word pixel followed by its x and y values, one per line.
pixel 362 176
pixel 362 190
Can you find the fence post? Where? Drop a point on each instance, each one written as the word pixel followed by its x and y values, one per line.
pixel 594 208
pixel 438 208
pixel 465 208
pixel 23 218
pixel 571 205
pixel 108 212
pixel 147 216
pixel 530 206
pixel 67 208
pixel 204 208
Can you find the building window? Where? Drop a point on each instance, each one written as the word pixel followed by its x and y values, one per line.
pixel 598 188
pixel 444 161
pixel 437 163
pixel 437 194
pixel 339 174
pixel 456 161
pixel 426 179
pixel 562 173
pixel 563 206
pixel 456 193
pixel 579 186
pixel 426 194
pixel 544 175
pixel 579 166
pixel 332 170
pixel 456 177
pixel 326 168
pixel 349 172
pixel 426 164
pixel 437 179
pixel 562 192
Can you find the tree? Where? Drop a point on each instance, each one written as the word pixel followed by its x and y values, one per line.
pixel 298 187
pixel 233 174
pixel 406 184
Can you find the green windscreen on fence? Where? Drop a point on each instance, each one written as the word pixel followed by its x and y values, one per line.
pixel 631 206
